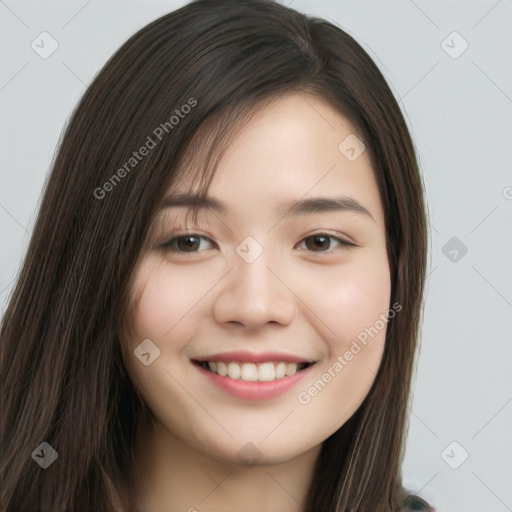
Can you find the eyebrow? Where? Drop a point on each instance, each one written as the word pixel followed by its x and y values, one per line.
pixel 293 208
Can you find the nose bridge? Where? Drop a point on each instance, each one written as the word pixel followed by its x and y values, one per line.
pixel 253 282
pixel 254 294
pixel 251 262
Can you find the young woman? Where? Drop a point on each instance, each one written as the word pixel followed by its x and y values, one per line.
pixel 220 303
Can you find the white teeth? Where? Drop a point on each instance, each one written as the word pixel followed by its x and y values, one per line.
pixel 291 369
pixel 266 372
pixel 222 369
pixel 250 372
pixel 280 370
pixel 234 370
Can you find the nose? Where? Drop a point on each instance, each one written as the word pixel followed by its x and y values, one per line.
pixel 254 295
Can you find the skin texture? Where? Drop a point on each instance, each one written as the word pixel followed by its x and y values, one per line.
pixel 297 297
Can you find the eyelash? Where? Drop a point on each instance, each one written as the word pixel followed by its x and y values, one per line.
pixel 168 245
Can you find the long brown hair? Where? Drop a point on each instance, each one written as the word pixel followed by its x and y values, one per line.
pixel 64 381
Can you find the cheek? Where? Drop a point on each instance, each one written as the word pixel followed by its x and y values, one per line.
pixel 166 303
pixel 364 298
pixel 355 343
pixel 155 310
pixel 350 303
pixel 356 350
pixel 350 298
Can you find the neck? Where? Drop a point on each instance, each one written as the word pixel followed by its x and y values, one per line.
pixel 173 477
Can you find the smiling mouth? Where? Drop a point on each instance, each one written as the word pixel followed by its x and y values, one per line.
pixel 253 372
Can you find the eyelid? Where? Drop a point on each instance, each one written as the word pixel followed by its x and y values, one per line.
pixel 343 242
pixel 178 234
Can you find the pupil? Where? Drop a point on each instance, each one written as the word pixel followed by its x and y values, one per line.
pixel 322 239
pixel 188 242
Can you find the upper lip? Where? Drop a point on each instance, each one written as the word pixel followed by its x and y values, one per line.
pixel 253 357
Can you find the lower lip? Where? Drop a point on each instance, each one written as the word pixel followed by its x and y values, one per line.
pixel 255 390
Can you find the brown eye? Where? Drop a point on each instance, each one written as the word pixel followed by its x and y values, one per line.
pixel 318 242
pixel 322 242
pixel 192 243
pixel 187 243
pixel 184 243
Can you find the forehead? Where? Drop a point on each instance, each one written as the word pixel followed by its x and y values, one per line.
pixel 292 149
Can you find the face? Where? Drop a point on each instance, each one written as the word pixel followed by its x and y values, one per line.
pixel 265 328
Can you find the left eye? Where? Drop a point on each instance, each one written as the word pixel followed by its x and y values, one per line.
pixel 192 243
pixel 319 240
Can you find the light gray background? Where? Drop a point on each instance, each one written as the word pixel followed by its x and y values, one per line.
pixel 459 111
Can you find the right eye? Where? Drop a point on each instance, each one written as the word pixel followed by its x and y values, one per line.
pixel 184 243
